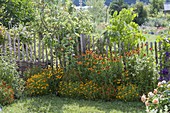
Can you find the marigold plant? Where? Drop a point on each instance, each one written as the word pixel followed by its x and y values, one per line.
pixel 44 82
pixel 6 93
pixel 128 92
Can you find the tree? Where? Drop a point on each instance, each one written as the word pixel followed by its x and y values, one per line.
pixel 142 13
pixel 117 5
pixel 13 12
pixel 98 11
pixel 156 6
pixel 123 29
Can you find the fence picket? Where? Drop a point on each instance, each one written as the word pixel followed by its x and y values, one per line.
pixel 156 53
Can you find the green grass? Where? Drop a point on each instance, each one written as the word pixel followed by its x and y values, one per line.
pixel 150 37
pixel 53 104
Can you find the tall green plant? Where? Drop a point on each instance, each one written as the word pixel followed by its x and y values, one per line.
pixel 123 29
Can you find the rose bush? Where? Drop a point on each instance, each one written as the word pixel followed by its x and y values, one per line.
pixel 158 100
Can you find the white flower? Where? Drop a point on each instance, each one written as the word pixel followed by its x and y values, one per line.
pixel 0 109
pixel 168 86
pixel 163 82
pixel 150 94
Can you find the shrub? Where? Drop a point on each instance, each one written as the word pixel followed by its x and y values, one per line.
pixel 88 90
pixel 91 66
pixel 141 70
pixel 10 75
pixel 158 100
pixel 44 82
pixel 6 93
pixel 128 92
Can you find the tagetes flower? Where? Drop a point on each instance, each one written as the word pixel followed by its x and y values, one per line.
pixel 91 69
pixel 79 63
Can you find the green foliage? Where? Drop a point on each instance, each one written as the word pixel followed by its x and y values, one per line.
pixel 141 70
pixel 142 13
pixel 156 6
pixel 44 82
pixel 87 90
pixel 13 12
pixel 99 14
pixel 10 75
pixel 117 5
pixel 6 93
pixel 128 92
pixel 123 29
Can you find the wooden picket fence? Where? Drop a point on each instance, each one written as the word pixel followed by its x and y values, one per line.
pixel 37 53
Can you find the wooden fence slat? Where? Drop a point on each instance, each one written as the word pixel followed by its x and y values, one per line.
pixel 151 45
pixel 31 53
pixel 23 55
pixel 15 56
pixel 10 46
pixel 18 49
pixel 39 50
pixel 147 48
pixel 27 55
pixel 35 49
pixel 5 46
pixel 43 51
pixel 46 52
pixel 160 48
pixel 56 56
pixel 156 53
pixel 51 53
pixel 114 47
pixel 93 43
pixel 107 46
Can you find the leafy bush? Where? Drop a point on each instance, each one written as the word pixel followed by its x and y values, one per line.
pixel 128 92
pixel 44 82
pixel 158 100
pixel 141 70
pixel 91 66
pixel 165 64
pixel 88 90
pixel 6 93
pixel 10 75
pixel 122 28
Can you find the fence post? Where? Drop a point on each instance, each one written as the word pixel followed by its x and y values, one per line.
pixel 82 42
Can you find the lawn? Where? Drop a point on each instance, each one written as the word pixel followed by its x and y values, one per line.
pixel 53 104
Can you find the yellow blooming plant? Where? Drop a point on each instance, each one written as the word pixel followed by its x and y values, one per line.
pixel 44 82
pixel 128 92
pixel 88 90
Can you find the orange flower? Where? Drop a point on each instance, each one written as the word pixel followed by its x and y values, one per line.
pixel 98 72
pixel 150 49
pixel 91 69
pixel 79 63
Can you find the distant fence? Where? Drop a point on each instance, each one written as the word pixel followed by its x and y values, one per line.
pixel 37 53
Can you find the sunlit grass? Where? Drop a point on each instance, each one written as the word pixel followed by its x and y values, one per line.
pixel 53 104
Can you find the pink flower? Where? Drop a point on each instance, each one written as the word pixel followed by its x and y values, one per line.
pixel 143 98
pixel 147 103
pixel 159 84
pixel 155 101
pixel 155 91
